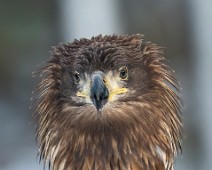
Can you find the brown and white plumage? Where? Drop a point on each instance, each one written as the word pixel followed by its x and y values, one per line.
pixel 108 103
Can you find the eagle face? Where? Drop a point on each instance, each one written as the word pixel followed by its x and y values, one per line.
pixel 102 74
pixel 109 102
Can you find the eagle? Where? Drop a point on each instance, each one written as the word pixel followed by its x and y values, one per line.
pixel 110 102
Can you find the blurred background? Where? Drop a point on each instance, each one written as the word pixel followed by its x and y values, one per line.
pixel 28 29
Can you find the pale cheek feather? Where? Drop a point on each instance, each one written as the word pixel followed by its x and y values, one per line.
pixel 53 153
pixel 167 162
pixel 111 81
pixel 83 95
pixel 115 86
pixel 172 145
pixel 161 154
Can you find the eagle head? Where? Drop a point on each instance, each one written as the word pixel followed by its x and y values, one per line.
pixel 109 102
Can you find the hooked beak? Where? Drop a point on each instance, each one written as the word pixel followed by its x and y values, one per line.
pixel 99 93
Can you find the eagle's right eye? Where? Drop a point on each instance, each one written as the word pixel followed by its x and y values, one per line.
pixel 76 77
pixel 123 73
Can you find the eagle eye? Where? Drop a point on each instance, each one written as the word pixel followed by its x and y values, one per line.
pixel 123 74
pixel 76 77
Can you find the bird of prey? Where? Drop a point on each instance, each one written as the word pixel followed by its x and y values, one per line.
pixel 108 103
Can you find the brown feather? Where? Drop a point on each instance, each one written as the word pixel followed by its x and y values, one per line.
pixel 141 131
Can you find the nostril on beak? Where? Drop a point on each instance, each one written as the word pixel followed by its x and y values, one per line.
pixel 97 97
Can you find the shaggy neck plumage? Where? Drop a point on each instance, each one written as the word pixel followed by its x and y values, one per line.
pixel 110 142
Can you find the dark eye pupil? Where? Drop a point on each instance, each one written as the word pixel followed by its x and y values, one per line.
pixel 76 77
pixel 123 73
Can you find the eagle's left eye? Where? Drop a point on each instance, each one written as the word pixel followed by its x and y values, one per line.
pixel 123 73
pixel 76 77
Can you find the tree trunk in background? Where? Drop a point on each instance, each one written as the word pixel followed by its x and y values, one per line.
pixel 89 18
pixel 202 36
